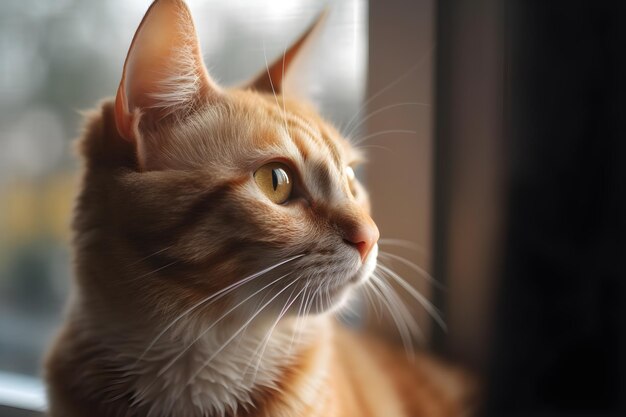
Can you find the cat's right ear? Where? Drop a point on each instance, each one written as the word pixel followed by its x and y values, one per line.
pixel 164 73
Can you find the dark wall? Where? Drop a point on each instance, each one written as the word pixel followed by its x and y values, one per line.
pixel 559 342
pixel 555 342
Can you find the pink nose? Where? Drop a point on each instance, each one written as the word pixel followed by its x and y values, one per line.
pixel 363 237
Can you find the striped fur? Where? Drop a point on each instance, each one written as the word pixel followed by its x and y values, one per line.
pixel 195 295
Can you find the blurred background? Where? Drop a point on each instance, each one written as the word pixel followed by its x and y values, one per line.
pixel 495 137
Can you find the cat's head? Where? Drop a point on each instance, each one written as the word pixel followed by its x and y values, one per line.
pixel 234 194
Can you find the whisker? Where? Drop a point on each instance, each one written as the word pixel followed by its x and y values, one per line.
pixel 348 312
pixel 151 255
pixel 383 132
pixel 299 317
pixel 366 290
pixel 316 298
pixel 265 339
pixel 284 310
pixel 397 301
pixel 269 75
pixel 403 329
pixel 307 309
pixel 413 329
pixel 234 335
pixel 327 291
pixel 414 67
pixel 282 90
pixel 153 271
pixel 382 109
pixel 403 244
pixel 384 148
pixel 428 306
pixel 212 296
pixel 216 322
pixel 421 271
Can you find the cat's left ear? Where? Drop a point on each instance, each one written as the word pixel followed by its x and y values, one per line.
pixel 164 73
pixel 273 78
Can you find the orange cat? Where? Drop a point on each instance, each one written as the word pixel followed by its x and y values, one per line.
pixel 215 233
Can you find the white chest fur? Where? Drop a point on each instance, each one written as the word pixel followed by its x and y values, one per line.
pixel 220 374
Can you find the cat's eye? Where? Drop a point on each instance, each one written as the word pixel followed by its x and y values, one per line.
pixel 351 180
pixel 275 180
pixel 350 173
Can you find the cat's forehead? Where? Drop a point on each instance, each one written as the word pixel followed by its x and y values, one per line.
pixel 247 129
pixel 313 136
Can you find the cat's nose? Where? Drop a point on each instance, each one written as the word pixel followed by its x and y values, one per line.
pixel 362 236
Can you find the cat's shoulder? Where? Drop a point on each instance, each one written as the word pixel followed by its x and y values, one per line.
pixel 423 383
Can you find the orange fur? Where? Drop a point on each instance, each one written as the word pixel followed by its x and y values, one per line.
pixel 197 296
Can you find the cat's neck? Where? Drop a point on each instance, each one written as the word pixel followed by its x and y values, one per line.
pixel 265 372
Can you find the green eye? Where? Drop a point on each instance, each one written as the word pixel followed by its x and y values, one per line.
pixel 275 180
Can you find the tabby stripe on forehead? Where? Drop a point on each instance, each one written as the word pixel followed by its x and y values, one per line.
pixel 306 132
pixel 333 151
pixel 317 137
pixel 298 123
pixel 301 142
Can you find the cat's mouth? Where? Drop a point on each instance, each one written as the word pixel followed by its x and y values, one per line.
pixel 339 295
pixel 329 291
pixel 362 274
pixel 367 268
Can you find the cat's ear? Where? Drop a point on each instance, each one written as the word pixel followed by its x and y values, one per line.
pixel 273 78
pixel 164 73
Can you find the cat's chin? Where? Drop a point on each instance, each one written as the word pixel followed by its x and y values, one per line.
pixel 367 269
pixel 339 296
